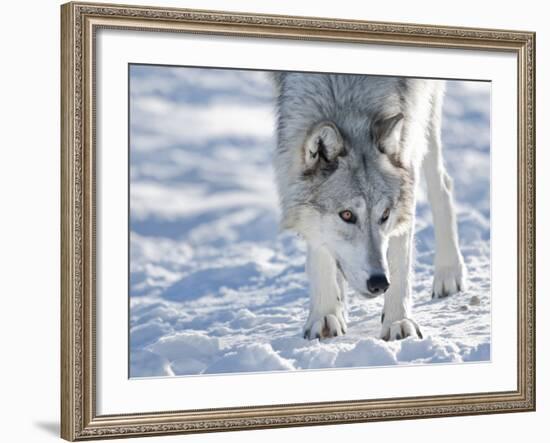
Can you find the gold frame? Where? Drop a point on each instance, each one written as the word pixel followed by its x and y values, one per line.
pixel 79 21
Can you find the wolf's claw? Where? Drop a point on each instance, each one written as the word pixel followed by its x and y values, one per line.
pixel 327 326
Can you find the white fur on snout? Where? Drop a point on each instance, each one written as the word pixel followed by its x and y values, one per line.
pixel 360 256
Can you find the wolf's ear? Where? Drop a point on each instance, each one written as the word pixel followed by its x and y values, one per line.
pixel 323 144
pixel 386 133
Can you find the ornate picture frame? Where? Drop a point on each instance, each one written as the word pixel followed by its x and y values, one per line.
pixel 80 23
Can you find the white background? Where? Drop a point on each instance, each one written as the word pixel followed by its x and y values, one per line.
pixel 29 229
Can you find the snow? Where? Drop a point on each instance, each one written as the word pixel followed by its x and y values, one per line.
pixel 216 288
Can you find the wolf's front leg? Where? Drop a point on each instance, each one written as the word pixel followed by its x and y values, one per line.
pixel 450 271
pixel 327 291
pixel 397 322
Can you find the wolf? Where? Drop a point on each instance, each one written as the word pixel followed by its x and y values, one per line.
pixel 350 150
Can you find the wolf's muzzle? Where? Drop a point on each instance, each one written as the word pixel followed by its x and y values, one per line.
pixel 378 284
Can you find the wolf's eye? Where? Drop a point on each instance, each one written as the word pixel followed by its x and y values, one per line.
pixel 348 216
pixel 385 216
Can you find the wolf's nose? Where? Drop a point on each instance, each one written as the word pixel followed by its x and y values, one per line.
pixel 378 284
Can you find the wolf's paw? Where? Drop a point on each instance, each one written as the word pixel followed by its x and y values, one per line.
pixel 325 326
pixel 449 280
pixel 400 329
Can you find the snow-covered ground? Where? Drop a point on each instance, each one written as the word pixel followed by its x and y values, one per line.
pixel 215 288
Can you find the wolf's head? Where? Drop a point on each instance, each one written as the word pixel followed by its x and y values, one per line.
pixel 348 190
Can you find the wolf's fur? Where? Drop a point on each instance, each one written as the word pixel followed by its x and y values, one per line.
pixel 357 143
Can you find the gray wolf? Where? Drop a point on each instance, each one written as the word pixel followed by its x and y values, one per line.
pixel 350 150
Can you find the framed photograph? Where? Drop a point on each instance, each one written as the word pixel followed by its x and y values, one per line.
pixel 283 221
